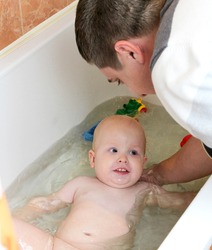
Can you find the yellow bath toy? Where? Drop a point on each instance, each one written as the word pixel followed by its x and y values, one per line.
pixel 142 108
pixel 7 234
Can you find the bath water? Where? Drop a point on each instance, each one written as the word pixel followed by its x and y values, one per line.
pixel 69 158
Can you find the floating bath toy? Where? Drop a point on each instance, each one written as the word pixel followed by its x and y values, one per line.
pixel 132 108
pixel 88 135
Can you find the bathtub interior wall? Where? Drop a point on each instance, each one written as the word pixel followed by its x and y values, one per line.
pixel 45 89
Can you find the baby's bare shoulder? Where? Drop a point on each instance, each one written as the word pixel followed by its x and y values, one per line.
pixel 73 186
pixel 80 182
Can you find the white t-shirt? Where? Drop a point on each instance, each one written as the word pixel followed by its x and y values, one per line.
pixel 182 65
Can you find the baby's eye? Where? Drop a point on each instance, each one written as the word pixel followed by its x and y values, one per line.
pixel 113 150
pixel 133 152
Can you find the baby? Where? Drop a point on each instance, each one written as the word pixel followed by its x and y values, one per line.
pixel 105 208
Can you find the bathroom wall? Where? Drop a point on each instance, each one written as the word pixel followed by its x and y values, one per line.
pixel 19 16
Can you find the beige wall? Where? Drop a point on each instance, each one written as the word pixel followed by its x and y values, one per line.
pixel 19 16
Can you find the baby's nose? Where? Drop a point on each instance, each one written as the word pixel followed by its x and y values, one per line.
pixel 122 159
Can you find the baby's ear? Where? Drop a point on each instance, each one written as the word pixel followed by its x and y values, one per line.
pixel 145 159
pixel 91 156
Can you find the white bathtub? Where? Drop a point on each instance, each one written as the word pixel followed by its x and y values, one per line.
pixel 46 88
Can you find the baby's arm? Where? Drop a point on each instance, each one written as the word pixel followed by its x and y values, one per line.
pixel 165 199
pixel 38 206
pixel 47 204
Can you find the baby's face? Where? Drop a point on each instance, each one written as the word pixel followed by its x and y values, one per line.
pixel 118 155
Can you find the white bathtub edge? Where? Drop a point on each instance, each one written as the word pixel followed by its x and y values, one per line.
pixel 193 231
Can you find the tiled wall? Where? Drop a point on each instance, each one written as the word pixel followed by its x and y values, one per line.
pixel 19 16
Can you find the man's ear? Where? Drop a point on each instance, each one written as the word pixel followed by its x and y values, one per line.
pixel 91 156
pixel 130 50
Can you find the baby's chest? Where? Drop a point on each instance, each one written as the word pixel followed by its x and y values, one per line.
pixel 115 202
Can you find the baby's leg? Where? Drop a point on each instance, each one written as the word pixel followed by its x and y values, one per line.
pixel 30 237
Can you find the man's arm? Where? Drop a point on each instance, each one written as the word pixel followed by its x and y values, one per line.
pixel 189 163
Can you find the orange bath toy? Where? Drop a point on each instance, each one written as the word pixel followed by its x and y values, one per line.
pixel 7 234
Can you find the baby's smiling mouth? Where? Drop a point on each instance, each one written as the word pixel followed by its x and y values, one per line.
pixel 121 171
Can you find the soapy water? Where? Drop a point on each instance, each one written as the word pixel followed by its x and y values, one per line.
pixel 68 158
